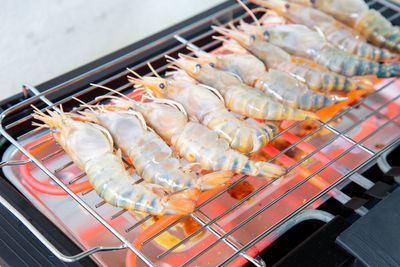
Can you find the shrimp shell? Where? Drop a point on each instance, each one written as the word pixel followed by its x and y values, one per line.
pixel 276 84
pixel 301 41
pixel 91 148
pixel 340 35
pixel 316 77
pixel 356 13
pixel 198 144
pixel 204 106
pixel 152 158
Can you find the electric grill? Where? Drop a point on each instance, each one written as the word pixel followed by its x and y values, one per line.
pixel 38 180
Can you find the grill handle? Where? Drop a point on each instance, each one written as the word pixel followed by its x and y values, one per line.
pixel 48 244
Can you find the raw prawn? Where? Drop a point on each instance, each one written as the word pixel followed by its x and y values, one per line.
pixel 369 22
pixel 276 84
pixel 300 41
pixel 90 146
pixel 340 35
pixel 195 142
pixel 315 76
pixel 152 158
pixel 206 107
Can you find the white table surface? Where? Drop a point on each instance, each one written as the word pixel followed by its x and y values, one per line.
pixel 41 39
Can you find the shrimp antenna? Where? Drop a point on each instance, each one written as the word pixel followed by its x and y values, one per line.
pixel 114 91
pixel 249 12
pixel 40 113
pixel 191 49
pixel 220 38
pixel 83 103
pixel 134 73
pixel 171 59
pixel 153 70
pixel 188 57
pixel 173 67
pixel 38 110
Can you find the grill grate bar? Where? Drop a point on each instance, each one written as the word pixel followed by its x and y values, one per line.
pixel 382 9
pixel 80 176
pixel 346 137
pixel 394 16
pixel 289 169
pixel 87 191
pixel 256 262
pixel 63 167
pixel 98 205
pixel 345 131
pixel 89 89
pixel 148 217
pixel 345 111
pixel 55 153
pixel 323 192
pixel 41 143
pixel 119 213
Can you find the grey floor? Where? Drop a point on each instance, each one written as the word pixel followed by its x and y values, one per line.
pixel 41 39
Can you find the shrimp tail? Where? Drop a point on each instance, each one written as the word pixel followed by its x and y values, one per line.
pixel 349 65
pixel 365 82
pixel 214 180
pixel 389 69
pixel 379 31
pixel 182 202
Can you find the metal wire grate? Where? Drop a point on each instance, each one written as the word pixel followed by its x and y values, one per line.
pixel 211 223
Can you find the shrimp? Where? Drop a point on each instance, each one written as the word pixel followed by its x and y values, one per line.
pixel 369 22
pixel 206 107
pixel 300 41
pixel 90 146
pixel 152 158
pixel 340 35
pixel 195 142
pixel 276 84
pixel 316 77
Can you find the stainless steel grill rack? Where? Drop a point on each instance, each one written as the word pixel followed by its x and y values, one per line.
pixel 376 104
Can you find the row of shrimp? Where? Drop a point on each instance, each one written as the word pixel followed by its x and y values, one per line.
pixel 194 131
pixel 338 45
pixel 151 134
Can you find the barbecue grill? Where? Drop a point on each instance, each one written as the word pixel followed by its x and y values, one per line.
pixel 61 210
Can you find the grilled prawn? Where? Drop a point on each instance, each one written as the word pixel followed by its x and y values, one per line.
pixel 276 84
pixel 340 35
pixel 369 22
pixel 316 77
pixel 90 146
pixel 300 41
pixel 152 158
pixel 195 142
pixel 204 106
